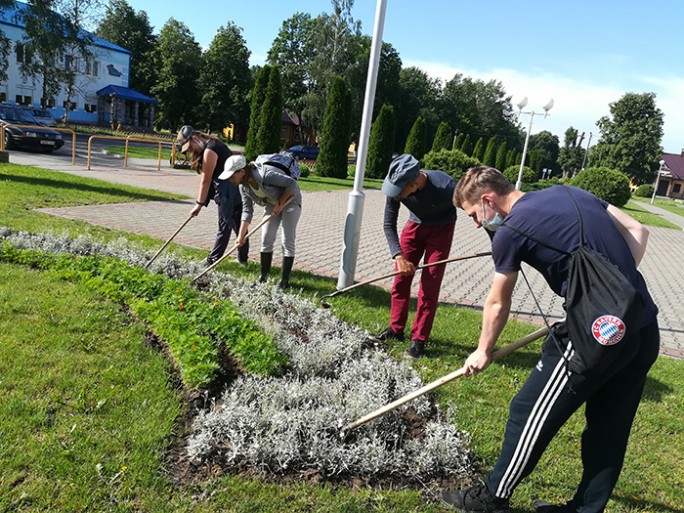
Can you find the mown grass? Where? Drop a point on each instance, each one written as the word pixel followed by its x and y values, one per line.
pixel 645 217
pixel 61 343
pixel 675 207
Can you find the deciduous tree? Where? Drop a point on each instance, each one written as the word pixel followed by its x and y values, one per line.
pixel 631 137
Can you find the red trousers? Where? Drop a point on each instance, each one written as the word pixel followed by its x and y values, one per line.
pixel 432 243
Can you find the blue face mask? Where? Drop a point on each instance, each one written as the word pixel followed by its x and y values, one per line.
pixel 492 225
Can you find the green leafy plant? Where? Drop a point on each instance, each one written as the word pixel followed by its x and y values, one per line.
pixel 644 191
pixel 452 162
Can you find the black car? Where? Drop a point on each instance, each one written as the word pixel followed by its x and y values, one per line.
pixel 20 132
pixel 304 152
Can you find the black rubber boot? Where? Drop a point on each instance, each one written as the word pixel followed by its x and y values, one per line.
pixel 266 259
pixel 285 272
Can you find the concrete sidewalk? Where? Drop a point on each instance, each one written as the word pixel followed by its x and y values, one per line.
pixel 319 243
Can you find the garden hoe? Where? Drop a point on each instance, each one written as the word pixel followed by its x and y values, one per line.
pixel 167 242
pixel 263 221
pixel 496 356
pixel 325 304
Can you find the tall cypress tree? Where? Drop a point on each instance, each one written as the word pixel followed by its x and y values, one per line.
pixel 416 143
pixel 490 153
pixel 459 141
pixel 501 153
pixel 467 146
pixel 510 159
pixel 332 160
pixel 271 118
pixel 381 143
pixel 258 96
pixel 443 139
pixel 478 152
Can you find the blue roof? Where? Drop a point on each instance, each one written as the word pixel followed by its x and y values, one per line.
pixel 125 93
pixel 13 16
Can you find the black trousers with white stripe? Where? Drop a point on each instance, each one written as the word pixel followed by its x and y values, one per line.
pixel 552 394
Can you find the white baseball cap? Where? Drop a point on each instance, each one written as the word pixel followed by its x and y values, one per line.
pixel 233 164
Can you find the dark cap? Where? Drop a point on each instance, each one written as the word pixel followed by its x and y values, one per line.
pixel 402 170
pixel 183 138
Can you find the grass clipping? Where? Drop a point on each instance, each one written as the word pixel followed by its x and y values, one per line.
pixel 293 423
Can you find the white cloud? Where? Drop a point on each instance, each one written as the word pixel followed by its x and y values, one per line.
pixel 577 103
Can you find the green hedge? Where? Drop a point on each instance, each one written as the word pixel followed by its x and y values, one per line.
pixel 644 191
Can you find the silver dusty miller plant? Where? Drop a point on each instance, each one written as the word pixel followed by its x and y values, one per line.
pixel 294 422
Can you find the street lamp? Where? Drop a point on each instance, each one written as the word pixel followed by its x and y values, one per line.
pixel 531 113
pixel 655 189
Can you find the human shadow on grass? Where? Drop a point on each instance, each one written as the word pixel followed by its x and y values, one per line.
pixel 69 183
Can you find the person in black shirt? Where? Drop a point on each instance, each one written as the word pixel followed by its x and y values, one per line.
pixel 209 155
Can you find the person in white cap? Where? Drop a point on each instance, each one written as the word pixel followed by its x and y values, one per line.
pixel 209 155
pixel 270 187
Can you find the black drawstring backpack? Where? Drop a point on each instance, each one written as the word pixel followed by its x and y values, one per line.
pixel 603 308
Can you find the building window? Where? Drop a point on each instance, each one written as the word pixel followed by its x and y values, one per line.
pixel 677 188
pixel 70 63
pixel 23 100
pixel 49 103
pixel 92 67
pixel 90 107
pixel 69 105
pixel 3 97
pixel 23 54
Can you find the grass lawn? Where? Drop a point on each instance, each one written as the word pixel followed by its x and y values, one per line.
pixel 676 207
pixel 642 215
pixel 88 410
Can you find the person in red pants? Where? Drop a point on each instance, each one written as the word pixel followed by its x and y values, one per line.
pixel 427 234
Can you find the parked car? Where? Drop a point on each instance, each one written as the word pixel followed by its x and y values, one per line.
pixel 304 152
pixel 19 131
pixel 42 115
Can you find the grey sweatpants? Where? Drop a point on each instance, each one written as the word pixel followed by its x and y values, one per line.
pixel 287 221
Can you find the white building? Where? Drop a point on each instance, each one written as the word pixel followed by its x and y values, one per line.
pixel 101 94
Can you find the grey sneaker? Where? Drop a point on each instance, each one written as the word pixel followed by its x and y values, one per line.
pixel 386 335
pixel 416 350
pixel 476 498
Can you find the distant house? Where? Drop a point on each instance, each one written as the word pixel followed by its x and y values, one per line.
pixel 101 92
pixel 671 182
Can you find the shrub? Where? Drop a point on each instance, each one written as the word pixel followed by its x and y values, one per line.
pixel 511 174
pixel 452 162
pixel 381 143
pixel 443 139
pixel 332 160
pixel 644 191
pixel 608 184
pixel 306 170
pixel 416 143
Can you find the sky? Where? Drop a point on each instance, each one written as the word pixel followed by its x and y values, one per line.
pixel 584 54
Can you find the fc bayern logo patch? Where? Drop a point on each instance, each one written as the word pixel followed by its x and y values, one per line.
pixel 608 330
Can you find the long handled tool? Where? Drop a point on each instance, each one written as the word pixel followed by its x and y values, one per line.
pixel 496 356
pixel 167 242
pixel 263 221
pixel 325 304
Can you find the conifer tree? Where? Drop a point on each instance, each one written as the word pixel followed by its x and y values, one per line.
pixel 467 146
pixel 443 139
pixel 501 154
pixel 459 141
pixel 510 158
pixel 270 120
pixel 416 143
pixel 478 152
pixel 381 143
pixel 258 96
pixel 332 160
pixel 490 153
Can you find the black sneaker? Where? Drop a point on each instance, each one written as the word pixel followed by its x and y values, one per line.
pixel 541 506
pixel 416 350
pixel 476 498
pixel 386 335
